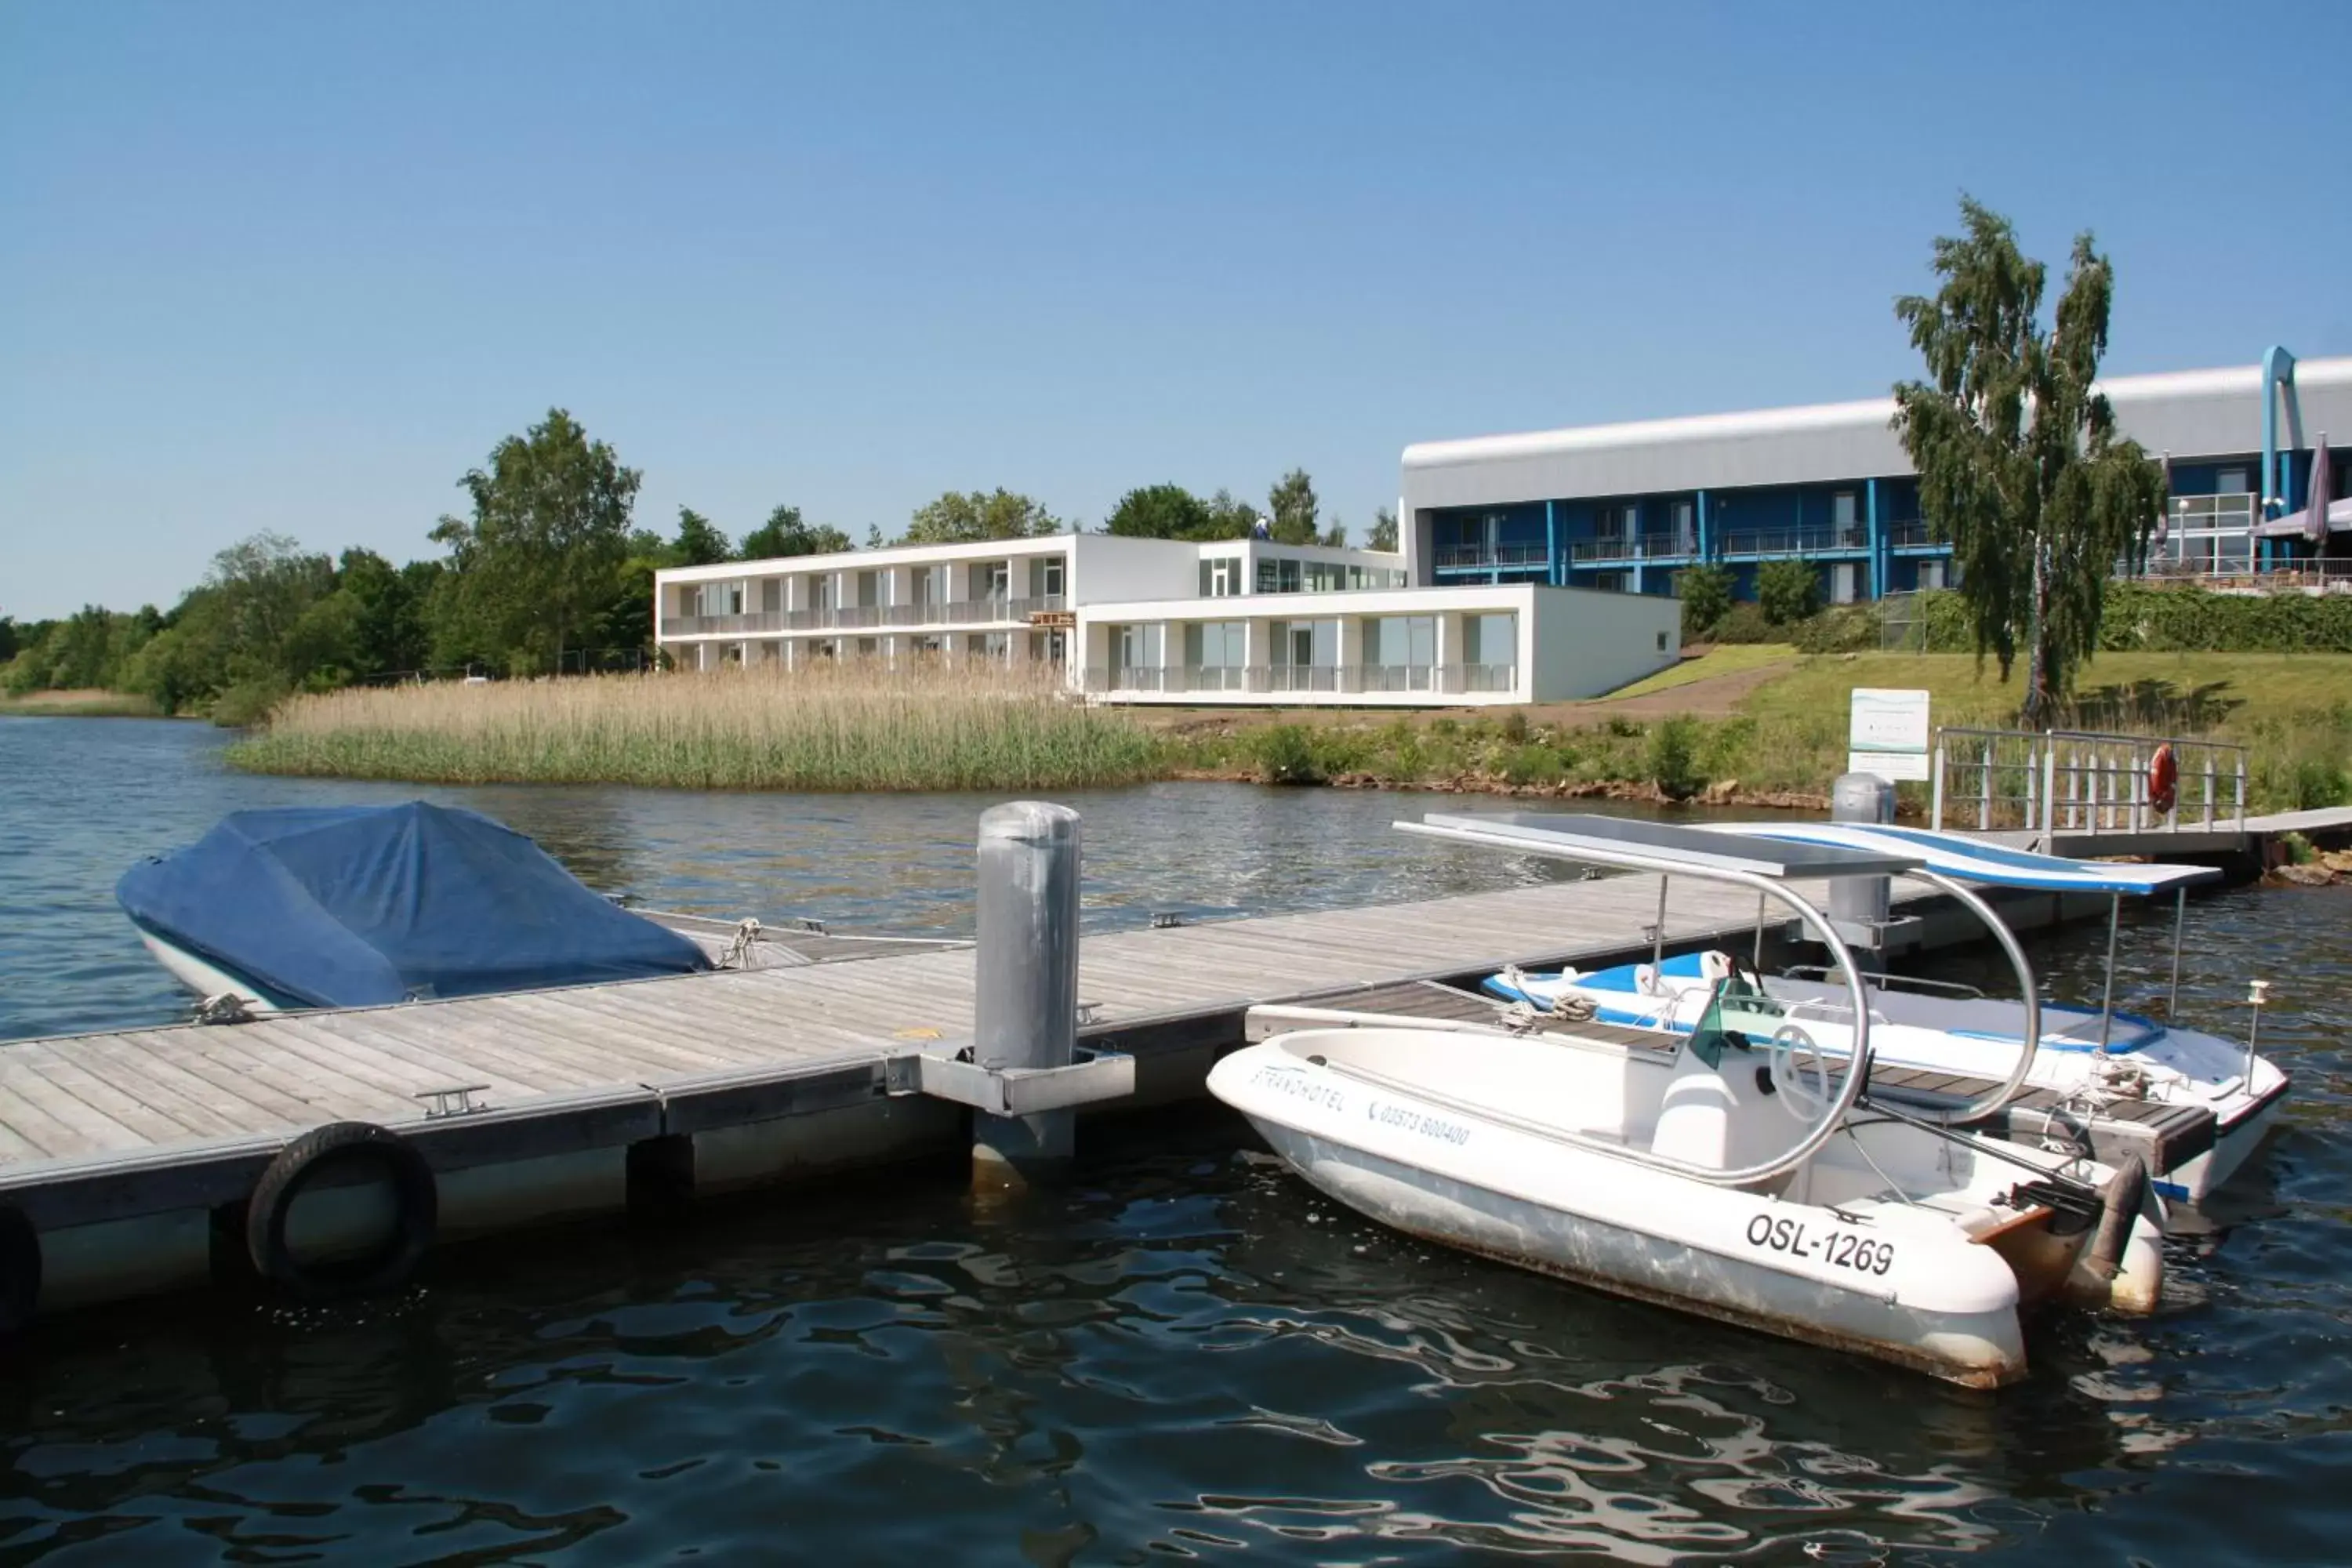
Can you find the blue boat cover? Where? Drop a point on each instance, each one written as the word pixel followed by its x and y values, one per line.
pixel 348 906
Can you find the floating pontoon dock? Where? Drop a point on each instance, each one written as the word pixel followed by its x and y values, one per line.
pixel 133 1154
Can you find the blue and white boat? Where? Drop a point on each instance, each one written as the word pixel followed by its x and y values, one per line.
pixel 2091 1056
pixel 1739 1177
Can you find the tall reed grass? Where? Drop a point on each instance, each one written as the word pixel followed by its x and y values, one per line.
pixel 854 726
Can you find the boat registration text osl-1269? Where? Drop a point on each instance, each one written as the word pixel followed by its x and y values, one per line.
pixel 1840 1248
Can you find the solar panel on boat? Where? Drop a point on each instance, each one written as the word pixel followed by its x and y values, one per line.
pixel 1619 840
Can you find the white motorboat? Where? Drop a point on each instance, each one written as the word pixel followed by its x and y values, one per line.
pixel 2092 1056
pixel 1748 1177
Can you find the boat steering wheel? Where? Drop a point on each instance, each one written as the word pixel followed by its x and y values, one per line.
pixel 1806 1101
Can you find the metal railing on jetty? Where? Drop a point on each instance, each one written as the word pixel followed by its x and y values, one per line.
pixel 2084 781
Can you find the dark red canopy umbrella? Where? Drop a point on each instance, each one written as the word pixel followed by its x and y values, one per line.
pixel 2315 515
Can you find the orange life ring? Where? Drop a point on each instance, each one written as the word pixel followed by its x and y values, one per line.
pixel 2163 781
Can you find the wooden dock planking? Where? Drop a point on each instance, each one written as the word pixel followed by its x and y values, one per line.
pixel 689 1052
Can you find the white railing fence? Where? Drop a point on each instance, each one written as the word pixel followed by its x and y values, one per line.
pixel 1292 678
pixel 2082 782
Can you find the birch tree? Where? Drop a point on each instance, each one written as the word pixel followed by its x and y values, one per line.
pixel 2020 466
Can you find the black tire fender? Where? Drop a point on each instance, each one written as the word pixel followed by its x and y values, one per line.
pixel 348 1148
pixel 20 1269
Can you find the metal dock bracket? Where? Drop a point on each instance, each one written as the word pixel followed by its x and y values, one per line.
pixel 457 1100
pixel 1093 1077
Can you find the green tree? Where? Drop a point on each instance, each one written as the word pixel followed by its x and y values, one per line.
pixel 535 563
pixel 390 632
pixel 1384 530
pixel 1162 511
pixel 261 587
pixel 8 644
pixel 1293 506
pixel 2020 466
pixel 787 534
pixel 1705 594
pixel 326 645
pixel 967 517
pixel 698 543
pixel 1788 591
pixel 1230 517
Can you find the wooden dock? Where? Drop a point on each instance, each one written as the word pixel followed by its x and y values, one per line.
pixel 142 1145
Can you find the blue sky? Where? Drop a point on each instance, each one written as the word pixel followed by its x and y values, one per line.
pixel 297 267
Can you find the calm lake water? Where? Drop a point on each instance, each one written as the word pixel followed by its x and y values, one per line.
pixel 1184 1355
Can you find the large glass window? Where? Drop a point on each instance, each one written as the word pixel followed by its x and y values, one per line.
pixel 1401 639
pixel 1278 576
pixel 1216 645
pixel 1046 577
pixel 1222 577
pixel 1490 639
pixel 1304 642
pixel 1135 645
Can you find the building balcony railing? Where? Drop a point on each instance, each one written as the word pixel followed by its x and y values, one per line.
pixel 1642 547
pixel 1908 534
pixel 1295 678
pixel 2225 572
pixel 1475 555
pixel 1794 540
pixel 861 618
pixel 2231 513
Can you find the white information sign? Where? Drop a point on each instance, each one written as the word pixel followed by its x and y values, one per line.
pixel 1888 733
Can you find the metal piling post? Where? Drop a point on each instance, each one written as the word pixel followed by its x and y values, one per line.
pixel 1026 1012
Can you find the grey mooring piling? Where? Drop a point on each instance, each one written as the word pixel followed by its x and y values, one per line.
pixel 1026 1012
pixel 1859 905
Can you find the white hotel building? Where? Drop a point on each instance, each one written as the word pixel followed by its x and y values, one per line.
pixel 1241 622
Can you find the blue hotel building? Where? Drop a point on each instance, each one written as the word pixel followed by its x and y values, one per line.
pixel 1627 506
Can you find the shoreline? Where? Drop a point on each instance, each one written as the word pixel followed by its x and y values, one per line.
pixel 1729 792
pixel 1740 731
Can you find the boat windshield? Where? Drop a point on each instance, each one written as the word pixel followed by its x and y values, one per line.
pixel 1739 1017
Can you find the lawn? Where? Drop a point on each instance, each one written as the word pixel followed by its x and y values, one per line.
pixel 1729 658
pixel 2186 693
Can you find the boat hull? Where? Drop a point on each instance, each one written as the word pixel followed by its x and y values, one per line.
pixel 1810 1260
pixel 1979 1351
pixel 203 976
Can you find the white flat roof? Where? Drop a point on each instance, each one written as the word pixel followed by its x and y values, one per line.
pixel 883 556
pixel 1345 602
pixel 2194 413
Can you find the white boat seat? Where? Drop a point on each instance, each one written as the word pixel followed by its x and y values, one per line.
pixel 1694 1120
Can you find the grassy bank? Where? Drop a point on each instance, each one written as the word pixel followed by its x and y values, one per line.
pixel 853 728
pixel 1785 739
pixel 79 705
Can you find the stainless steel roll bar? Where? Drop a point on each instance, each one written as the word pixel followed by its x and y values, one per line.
pixel 1857 1072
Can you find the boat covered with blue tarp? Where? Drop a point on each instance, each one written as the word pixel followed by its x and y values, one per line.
pixel 353 906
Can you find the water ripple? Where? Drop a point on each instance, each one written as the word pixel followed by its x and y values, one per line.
pixel 1186 1355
